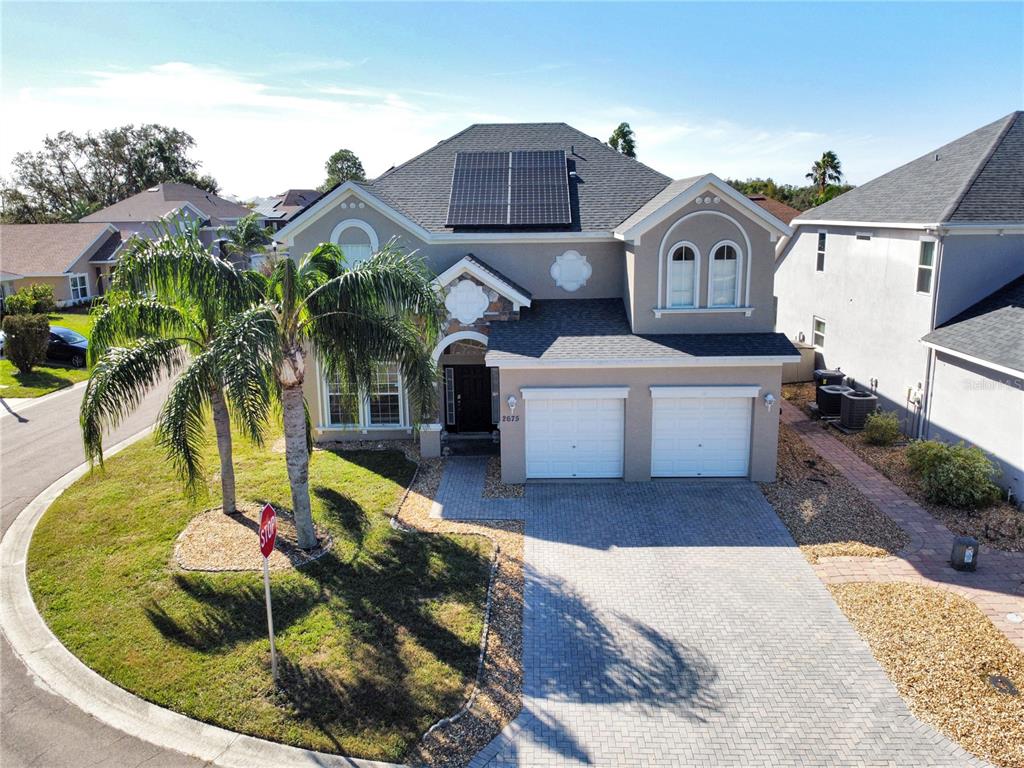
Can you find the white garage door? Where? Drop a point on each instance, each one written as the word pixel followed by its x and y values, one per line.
pixel 700 436
pixel 571 436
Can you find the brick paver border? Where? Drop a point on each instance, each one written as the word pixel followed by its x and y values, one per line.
pixel 997 587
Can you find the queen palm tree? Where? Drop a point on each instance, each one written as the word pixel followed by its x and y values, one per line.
pixel 168 301
pixel 244 239
pixel 381 311
pixel 826 171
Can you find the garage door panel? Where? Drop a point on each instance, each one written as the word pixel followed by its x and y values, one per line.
pixel 567 438
pixel 700 437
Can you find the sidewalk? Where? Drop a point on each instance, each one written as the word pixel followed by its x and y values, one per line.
pixel 997 587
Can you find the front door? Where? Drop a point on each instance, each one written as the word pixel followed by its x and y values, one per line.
pixel 472 395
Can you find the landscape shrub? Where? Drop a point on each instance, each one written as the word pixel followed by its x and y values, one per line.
pixel 36 299
pixel 882 428
pixel 27 339
pixel 958 475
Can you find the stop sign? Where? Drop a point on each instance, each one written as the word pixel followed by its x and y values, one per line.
pixel 268 530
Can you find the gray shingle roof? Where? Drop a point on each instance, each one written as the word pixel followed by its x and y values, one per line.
pixel 152 204
pixel 991 330
pixel 286 206
pixel 48 249
pixel 673 189
pixel 500 276
pixel 597 329
pixel 610 186
pixel 978 177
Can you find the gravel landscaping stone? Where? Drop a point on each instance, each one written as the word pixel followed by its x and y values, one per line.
pixel 494 488
pixel 498 696
pixel 213 541
pixel 826 515
pixel 940 651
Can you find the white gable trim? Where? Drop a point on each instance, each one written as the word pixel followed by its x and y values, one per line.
pixel 451 338
pixel 726 193
pixel 464 265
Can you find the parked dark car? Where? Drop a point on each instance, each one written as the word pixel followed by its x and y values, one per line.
pixel 68 346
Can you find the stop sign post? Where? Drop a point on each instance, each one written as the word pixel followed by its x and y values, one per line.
pixel 268 535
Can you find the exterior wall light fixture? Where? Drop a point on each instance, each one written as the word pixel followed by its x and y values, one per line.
pixel 512 403
pixel 769 401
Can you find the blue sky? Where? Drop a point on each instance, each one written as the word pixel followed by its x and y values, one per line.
pixel 269 90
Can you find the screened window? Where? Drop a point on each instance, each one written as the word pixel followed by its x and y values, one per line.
pixel 342 403
pixel 79 287
pixel 724 276
pixel 385 397
pixel 682 277
pixel 819 265
pixel 818 335
pixel 925 266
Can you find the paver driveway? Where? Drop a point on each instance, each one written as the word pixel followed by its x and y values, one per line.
pixel 674 623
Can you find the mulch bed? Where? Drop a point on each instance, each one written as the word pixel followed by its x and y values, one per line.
pixel 1000 526
pixel 826 515
pixel 213 541
pixel 494 488
pixel 940 651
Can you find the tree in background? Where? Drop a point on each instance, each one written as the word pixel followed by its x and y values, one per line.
pixel 825 171
pixel 382 311
pixel 800 198
pixel 74 175
pixel 168 301
pixel 244 240
pixel 623 140
pixel 342 166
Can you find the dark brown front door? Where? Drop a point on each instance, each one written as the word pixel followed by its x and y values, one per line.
pixel 472 384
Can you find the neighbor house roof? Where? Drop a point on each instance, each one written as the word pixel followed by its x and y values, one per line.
pixel 991 330
pixel 977 178
pixel 778 209
pixel 32 250
pixel 597 330
pixel 285 206
pixel 609 187
pixel 164 199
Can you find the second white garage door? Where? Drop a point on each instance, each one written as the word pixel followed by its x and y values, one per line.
pixel 700 437
pixel 571 436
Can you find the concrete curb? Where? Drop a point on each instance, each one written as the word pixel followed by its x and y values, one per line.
pixel 57 670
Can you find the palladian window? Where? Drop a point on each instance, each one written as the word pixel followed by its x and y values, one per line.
pixel 682 276
pixel 725 274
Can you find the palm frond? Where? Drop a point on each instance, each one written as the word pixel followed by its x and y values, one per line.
pixel 181 426
pixel 127 318
pixel 246 349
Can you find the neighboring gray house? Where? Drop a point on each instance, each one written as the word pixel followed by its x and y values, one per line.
pixel 280 209
pixel 604 320
pixel 868 275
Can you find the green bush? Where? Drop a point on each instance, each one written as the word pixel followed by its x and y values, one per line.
pixel 27 339
pixel 958 475
pixel 36 299
pixel 882 428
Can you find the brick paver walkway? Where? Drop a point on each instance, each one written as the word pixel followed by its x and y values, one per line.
pixel 677 624
pixel 997 587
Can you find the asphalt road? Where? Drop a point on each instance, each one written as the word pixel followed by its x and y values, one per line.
pixel 40 442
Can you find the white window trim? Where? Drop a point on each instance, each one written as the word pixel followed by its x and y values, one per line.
pixel 71 286
pixel 741 262
pixel 919 266
pixel 659 311
pixel 401 407
pixel 339 230
pixel 364 424
pixel 820 251
pixel 696 276
pixel 814 321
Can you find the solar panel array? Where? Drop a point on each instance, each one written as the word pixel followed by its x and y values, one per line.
pixel 522 188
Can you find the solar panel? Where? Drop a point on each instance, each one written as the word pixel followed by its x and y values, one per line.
pixel 522 188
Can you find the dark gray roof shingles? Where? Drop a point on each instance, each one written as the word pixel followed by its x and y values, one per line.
pixel 991 330
pixel 610 187
pixel 500 276
pixel 598 330
pixel 978 177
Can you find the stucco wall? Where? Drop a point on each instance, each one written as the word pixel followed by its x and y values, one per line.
pixel 705 226
pixel 868 297
pixel 983 407
pixel 527 263
pixel 973 266
pixel 764 424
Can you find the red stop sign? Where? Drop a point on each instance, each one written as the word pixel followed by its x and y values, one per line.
pixel 268 530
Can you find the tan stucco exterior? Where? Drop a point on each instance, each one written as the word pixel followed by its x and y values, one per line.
pixel 637 441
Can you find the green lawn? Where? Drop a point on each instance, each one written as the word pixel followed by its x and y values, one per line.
pixel 50 376
pixel 377 640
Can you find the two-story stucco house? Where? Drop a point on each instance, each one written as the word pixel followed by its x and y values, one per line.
pixel 607 320
pixel 869 276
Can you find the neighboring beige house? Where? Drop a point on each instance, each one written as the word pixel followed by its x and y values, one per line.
pixel 604 320
pixel 870 276
pixel 76 259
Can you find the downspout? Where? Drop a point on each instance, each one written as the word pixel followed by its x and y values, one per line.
pixel 925 409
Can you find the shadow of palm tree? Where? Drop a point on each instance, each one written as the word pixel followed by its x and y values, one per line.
pixel 345 512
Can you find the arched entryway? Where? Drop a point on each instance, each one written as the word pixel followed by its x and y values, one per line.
pixel 468 393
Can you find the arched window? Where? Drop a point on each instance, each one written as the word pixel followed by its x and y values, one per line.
pixel 726 269
pixel 356 239
pixel 683 271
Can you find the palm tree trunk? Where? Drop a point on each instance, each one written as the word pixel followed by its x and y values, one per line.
pixel 297 459
pixel 222 426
